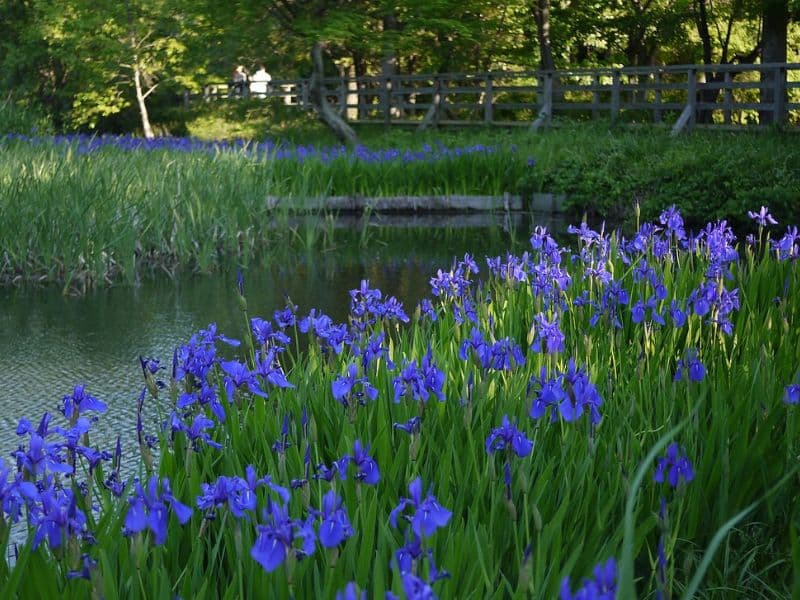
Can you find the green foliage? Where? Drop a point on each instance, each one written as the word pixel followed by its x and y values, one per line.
pixel 112 213
pixel 82 219
pixel 19 117
pixel 708 175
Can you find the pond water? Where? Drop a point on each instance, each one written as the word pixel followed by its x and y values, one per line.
pixel 49 342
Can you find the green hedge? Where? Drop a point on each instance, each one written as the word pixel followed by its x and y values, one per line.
pixel 708 175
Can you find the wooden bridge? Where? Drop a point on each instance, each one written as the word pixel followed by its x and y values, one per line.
pixel 680 96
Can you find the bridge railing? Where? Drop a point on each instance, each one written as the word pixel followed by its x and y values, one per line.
pixel 683 96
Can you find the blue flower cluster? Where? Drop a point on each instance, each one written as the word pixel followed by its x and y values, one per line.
pixel 569 393
pixel 271 150
pixel 603 586
pixel 210 392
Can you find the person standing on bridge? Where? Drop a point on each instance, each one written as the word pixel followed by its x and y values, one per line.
pixel 259 82
pixel 238 84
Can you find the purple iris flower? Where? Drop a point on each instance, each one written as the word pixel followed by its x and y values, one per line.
pixel 584 232
pixel 762 217
pixel 410 552
pixel 196 432
pixel 513 271
pixel 614 295
pixel 239 494
pixel 205 396
pixel 350 592
pixel 80 402
pixel 265 335
pixel 602 587
pixel 504 354
pixel 73 435
pixel 639 311
pixel 475 345
pixel 674 466
pixel 411 426
pixel 415 588
pixel 673 220
pixel 323 327
pixel 508 437
pixel 286 317
pixel 85 572
pixel 363 300
pixel 426 309
pixel 327 474
pixel 15 493
pixel 692 364
pixel 41 456
pixel 792 395
pixel 278 535
pixel 57 517
pixel 335 527
pixel 367 467
pixel 93 456
pixel 569 392
pixel 549 333
pixel 239 376
pixel 419 381
pixel 677 314
pixel 373 350
pixel 343 387
pixel 269 367
pixel 788 247
pixel 149 509
pixel 428 515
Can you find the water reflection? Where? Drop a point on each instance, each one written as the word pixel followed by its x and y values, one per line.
pixel 49 342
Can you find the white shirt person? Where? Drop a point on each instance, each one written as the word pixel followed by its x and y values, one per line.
pixel 259 82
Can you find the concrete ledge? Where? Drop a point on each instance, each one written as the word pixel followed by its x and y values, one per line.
pixel 550 203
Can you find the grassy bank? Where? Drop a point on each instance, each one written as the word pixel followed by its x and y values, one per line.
pixel 615 406
pixel 81 211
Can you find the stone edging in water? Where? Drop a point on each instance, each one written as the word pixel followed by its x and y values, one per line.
pixel 539 202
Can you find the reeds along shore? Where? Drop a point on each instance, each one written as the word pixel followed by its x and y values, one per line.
pixel 83 211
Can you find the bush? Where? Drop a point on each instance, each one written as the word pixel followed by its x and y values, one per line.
pixel 708 175
pixel 17 116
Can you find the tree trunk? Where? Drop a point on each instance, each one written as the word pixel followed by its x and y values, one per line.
pixel 542 16
pixel 389 61
pixel 140 99
pixel 327 115
pixel 360 70
pixel 773 50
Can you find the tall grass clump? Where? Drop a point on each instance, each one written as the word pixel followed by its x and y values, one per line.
pixel 18 117
pixel 82 211
pixel 615 421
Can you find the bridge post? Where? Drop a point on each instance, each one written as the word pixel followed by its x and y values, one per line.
pixel 727 98
pixel 657 100
pixel 488 99
pixel 387 100
pixel 545 116
pixel 779 95
pixel 615 95
pixel 342 97
pixel 692 99
pixel 686 120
